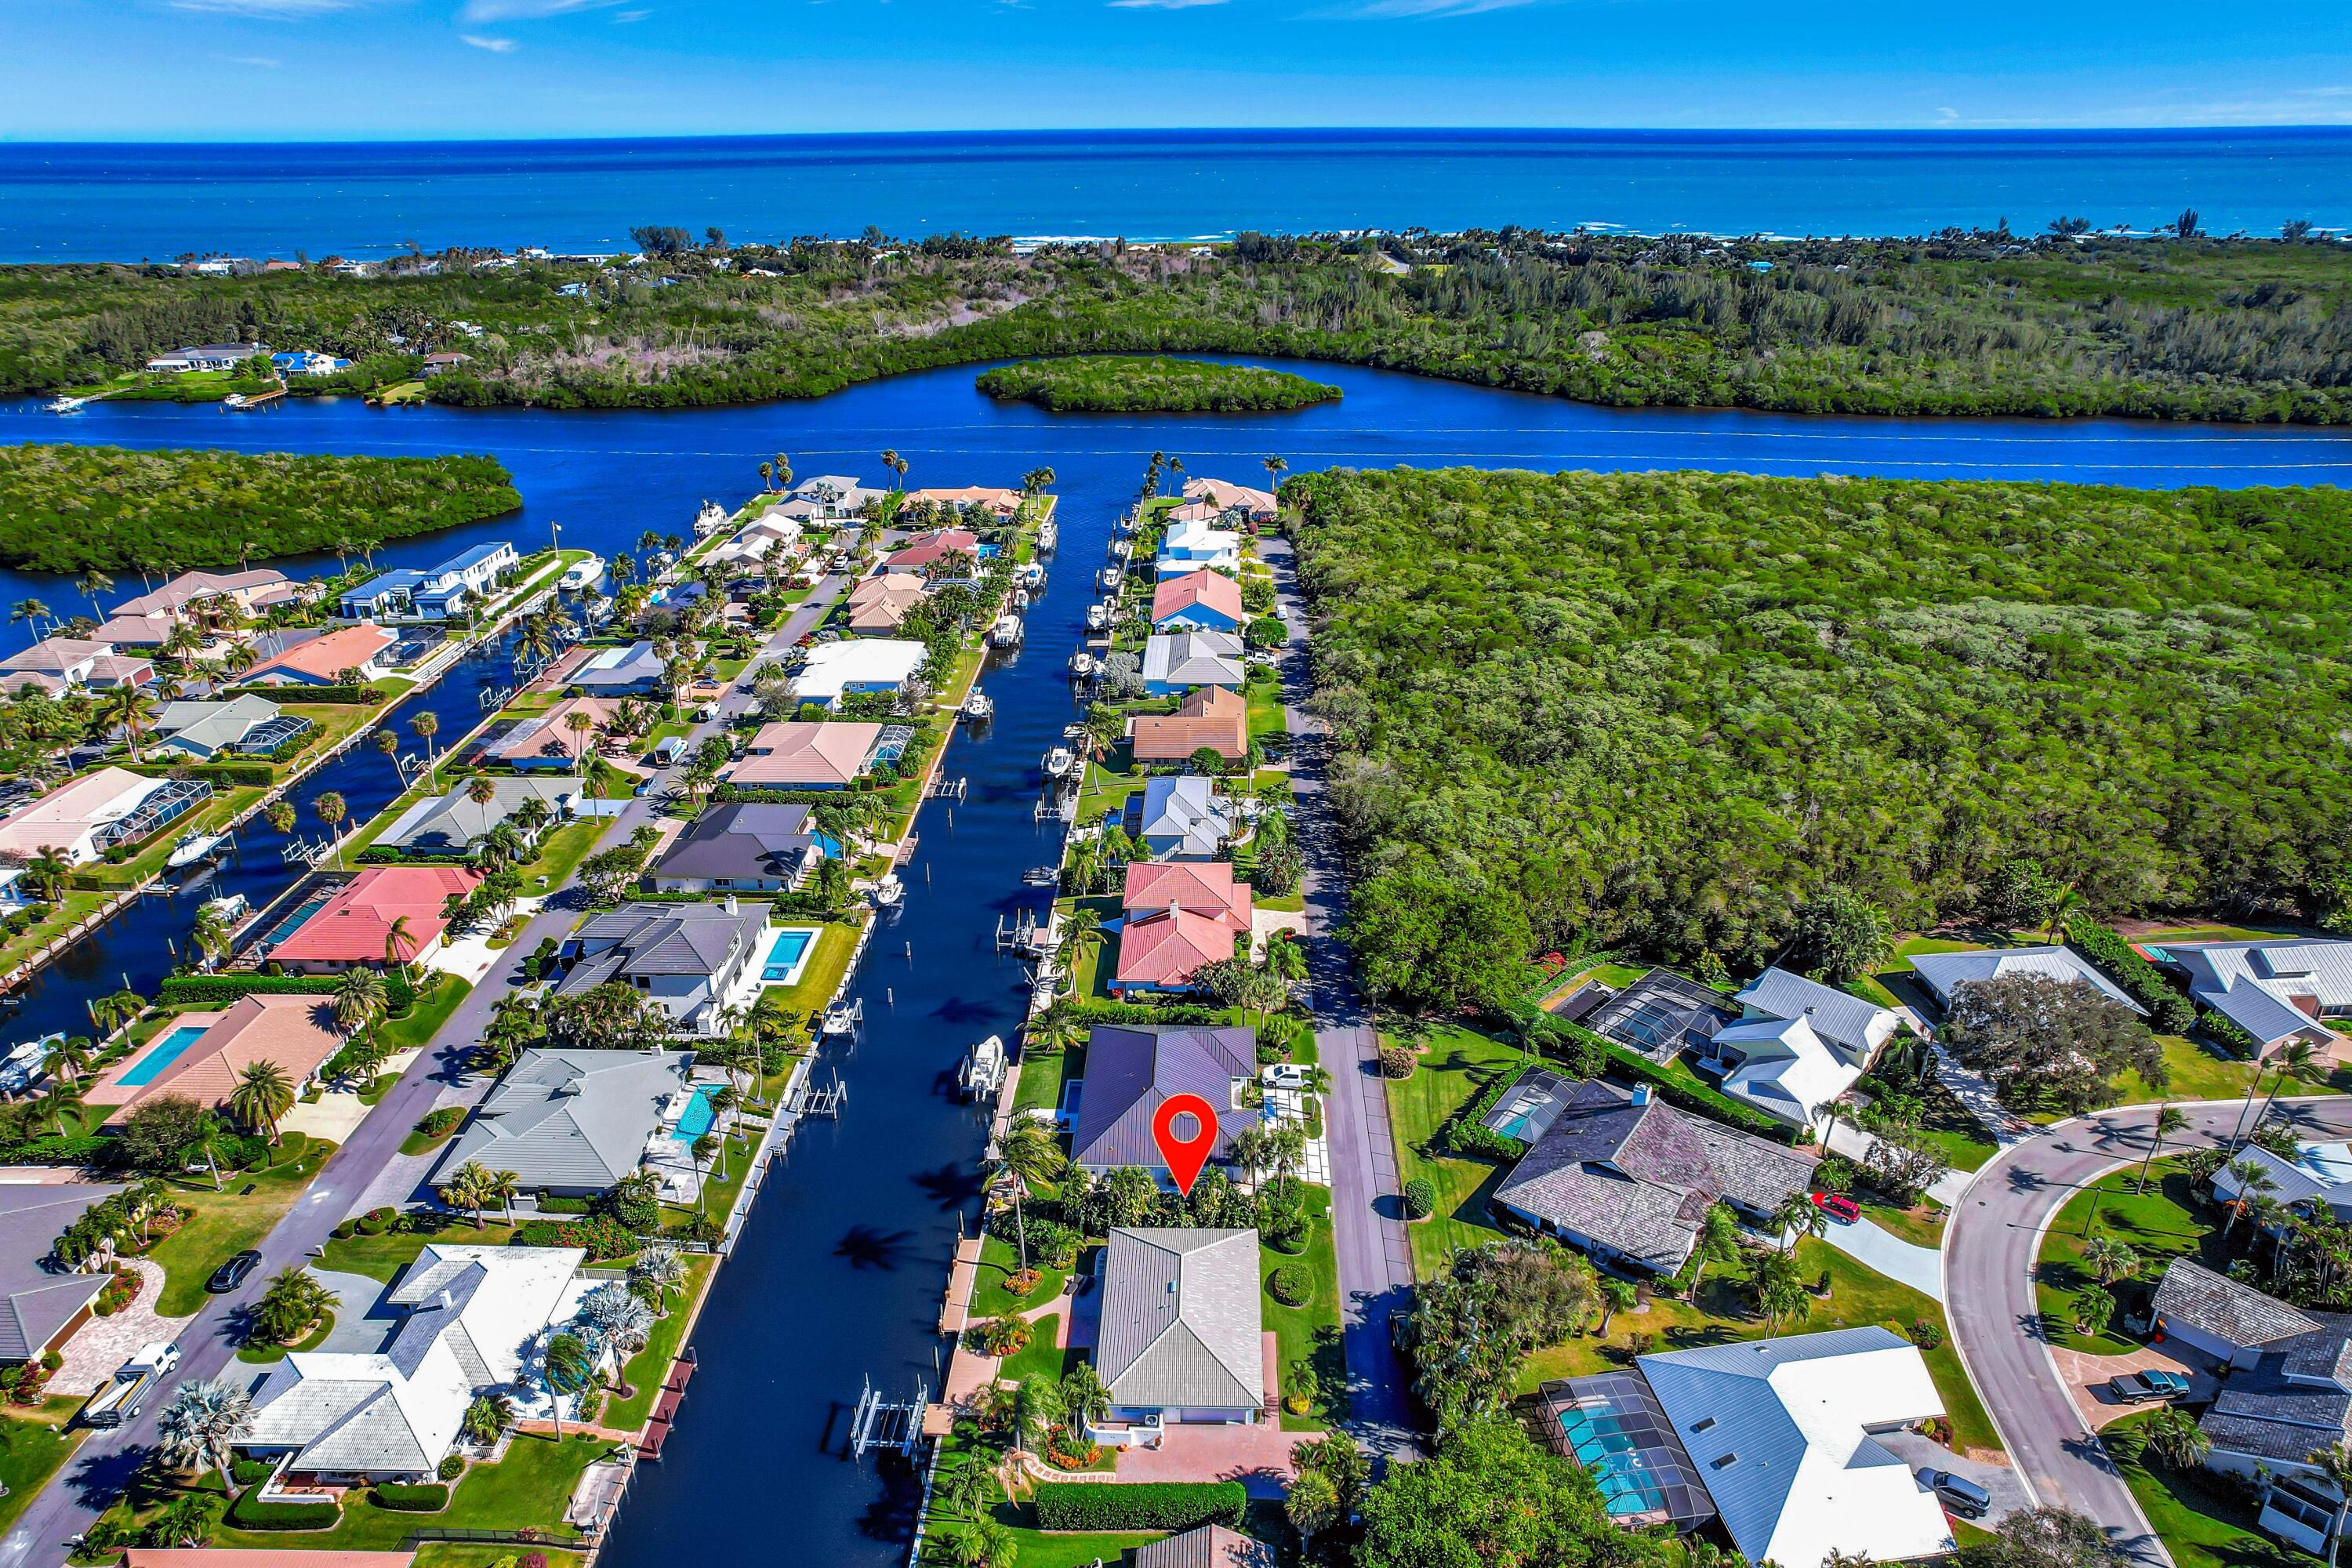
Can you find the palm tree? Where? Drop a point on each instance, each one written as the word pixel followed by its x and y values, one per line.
pixel 1781 1293
pixel 659 1265
pixel 94 583
pixel 387 743
pixel 2177 1439
pixel 2064 908
pixel 486 1417
pixel 567 1368
pixel 2334 1463
pixel 1616 1296
pixel 204 1421
pixel 1028 1153
pixel 280 814
pixel 1085 1399
pixel 424 726
pixel 359 1000
pixel 331 809
pixel 1718 1242
pixel 896 464
pixel 504 1187
pixel 68 1059
pixel 1274 470
pixel 468 1188
pixel 2167 1122
pixel 400 946
pixel 295 1301
pixel 984 1543
pixel 185 1521
pixel 2253 1183
pixel 212 1141
pixel 31 610
pixel 130 707
pixel 263 1096
pixel 580 725
pixel 211 933
pixel 1799 1215
pixel 2109 1260
pixel 2297 1058
pixel 1082 933
pixel 966 1489
pixel 1036 1404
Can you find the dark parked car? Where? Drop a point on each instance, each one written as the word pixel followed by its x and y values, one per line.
pixel 231 1275
pixel 2146 1387
pixel 1959 1494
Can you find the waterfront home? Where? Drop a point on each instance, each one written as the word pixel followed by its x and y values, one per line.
pixel 2287 1395
pixel 307 362
pixel 2275 988
pixel 1211 718
pixel 2316 1176
pixel 635 671
pixel 766 537
pixel 40 1309
pixel 1629 1178
pixel 251 724
pixel 695 961
pixel 929 549
pixel 880 604
pixel 1001 504
pixel 1256 505
pixel 829 755
pixel 571 1122
pixel 472 1320
pixel 547 742
pixel 454 824
pixel 1182 1337
pixel 356 923
pixel 1131 1068
pixel 827 497
pixel 442 364
pixel 433 593
pixel 1943 972
pixel 85 817
pixel 192 594
pixel 1179 661
pixel 1200 601
pixel 58 665
pixel 1194 545
pixel 207 356
pixel 1784 1435
pixel 332 659
pixel 749 847
pixel 1180 819
pixel 839 669
pixel 1178 916
pixel 200 1055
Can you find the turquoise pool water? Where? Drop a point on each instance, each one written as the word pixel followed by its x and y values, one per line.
pixel 161 1054
pixel 787 953
pixel 292 923
pixel 1614 1458
pixel 697 1118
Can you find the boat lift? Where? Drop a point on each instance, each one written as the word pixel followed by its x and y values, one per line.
pixel 983 1069
pixel 884 1424
pixel 825 1102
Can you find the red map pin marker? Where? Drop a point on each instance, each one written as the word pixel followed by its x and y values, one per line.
pixel 1185 1152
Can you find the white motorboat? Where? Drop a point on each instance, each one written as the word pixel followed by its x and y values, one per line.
pixel 890 892
pixel 1082 664
pixel 1098 617
pixel 69 405
pixel 1032 575
pixel 1059 761
pixel 1006 632
pixel 193 849
pixel 1120 550
pixel 232 907
pixel 1049 537
pixel 842 1018
pixel 710 519
pixel 977 707
pixel 1020 601
pixel 584 574
pixel 983 1068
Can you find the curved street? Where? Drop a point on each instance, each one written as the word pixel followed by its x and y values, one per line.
pixel 1990 1250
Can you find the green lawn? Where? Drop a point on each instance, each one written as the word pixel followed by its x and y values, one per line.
pixel 1042 1074
pixel 1310 1331
pixel 263 1352
pixel 998 1263
pixel 561 850
pixel 1111 779
pixel 650 1365
pixel 1460 1062
pixel 1922 1226
pixel 225 1222
pixel 2168 1221
pixel 2202 1525
pixel 1042 1357
pixel 2200 1071
pixel 383 1257
pixel 1945 1126
pixel 37 1446
pixel 528 1487
pixel 828 961
pixel 1857 1296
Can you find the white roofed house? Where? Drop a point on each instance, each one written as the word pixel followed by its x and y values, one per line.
pixel 1798 1045
pixel 473 1320
pixel 856 664
pixel 86 817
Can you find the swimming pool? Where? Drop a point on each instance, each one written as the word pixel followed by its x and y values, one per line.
pixel 161 1054
pixel 292 923
pixel 697 1117
pixel 787 955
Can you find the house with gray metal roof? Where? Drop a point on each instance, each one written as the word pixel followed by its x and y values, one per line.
pixel 1176 662
pixel 2276 990
pixel 1784 1432
pixel 1180 818
pixel 456 824
pixel 41 1305
pixel 1943 972
pixel 473 1320
pixel 206 729
pixel 694 960
pixel 1131 1068
pixel 1181 1338
pixel 751 847
pixel 1848 1024
pixel 572 1122
pixel 1629 1178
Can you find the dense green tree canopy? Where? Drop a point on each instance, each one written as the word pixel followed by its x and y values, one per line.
pixel 1488 1498
pixel 1669 709
pixel 1129 383
pixel 67 508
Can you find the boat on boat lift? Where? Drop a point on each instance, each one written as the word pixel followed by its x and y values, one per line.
pixel 1098 617
pixel 843 1018
pixel 1006 632
pixel 1032 575
pixel 230 907
pixel 890 892
pixel 1049 536
pixel 977 706
pixel 1059 761
pixel 195 846
pixel 983 1068
pixel 1082 664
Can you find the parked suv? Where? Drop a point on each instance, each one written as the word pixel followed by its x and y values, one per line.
pixel 1959 1494
pixel 2153 1385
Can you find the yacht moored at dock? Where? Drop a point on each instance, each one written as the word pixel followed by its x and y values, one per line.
pixel 583 574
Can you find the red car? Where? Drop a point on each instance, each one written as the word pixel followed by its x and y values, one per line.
pixel 1844 1210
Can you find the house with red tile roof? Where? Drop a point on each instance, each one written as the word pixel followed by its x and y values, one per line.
pixel 1226 496
pixel 1210 716
pixel 929 549
pixel 1006 504
pixel 355 923
pixel 1200 601
pixel 1179 914
pixel 1198 887
pixel 298 1033
pixel 879 604
pixel 322 660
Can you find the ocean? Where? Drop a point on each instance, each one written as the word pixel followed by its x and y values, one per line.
pixel 130 202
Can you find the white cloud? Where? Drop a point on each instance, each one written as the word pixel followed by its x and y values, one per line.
pixel 269 10
pixel 526 10
pixel 1387 8
pixel 496 46
pixel 260 62
pixel 1161 5
pixel 620 16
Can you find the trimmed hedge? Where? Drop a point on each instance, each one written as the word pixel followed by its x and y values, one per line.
pixel 344 694
pixel 599 1235
pixel 1466 1131
pixel 1419 1198
pixel 231 773
pixel 249 1512
pixel 431 1497
pixel 1291 1285
pixel 1143 1505
pixel 2145 983
pixel 215 990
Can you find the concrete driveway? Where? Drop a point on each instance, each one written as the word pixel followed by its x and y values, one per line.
pixel 2086 1377
pixel 1873 1245
pixel 1926 1456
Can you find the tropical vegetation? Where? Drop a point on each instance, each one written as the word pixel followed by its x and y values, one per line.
pixel 1128 384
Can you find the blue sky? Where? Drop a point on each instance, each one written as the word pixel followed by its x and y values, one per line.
pixel 307 69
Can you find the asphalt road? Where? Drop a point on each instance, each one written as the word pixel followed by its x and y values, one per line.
pixel 106 1460
pixel 1375 1262
pixel 1988 1263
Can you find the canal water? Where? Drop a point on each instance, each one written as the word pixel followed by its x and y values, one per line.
pixel 839 1275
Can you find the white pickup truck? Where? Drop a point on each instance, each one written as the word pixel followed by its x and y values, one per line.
pixel 117 1400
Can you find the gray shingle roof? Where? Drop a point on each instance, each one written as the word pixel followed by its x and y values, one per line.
pixel 1180 1319
pixel 1641 1178
pixel 747 842
pixel 569 1118
pixel 1207 1546
pixel 449 824
pixel 342 1426
pixel 2193 1294
pixel 1844 1021
pixel 1130 1068
pixel 36 1303
pixel 2295 1398
pixel 662 939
